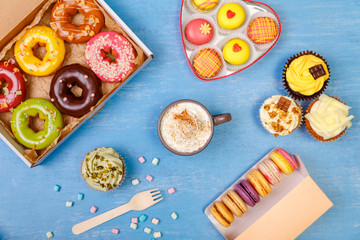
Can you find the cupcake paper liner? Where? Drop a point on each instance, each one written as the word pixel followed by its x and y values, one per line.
pixel 192 8
pixel 108 190
pixel 299 96
pixel 264 46
pixel 191 46
pixel 222 71
pixel 311 131
pixel 251 59
pixel 239 29
pixel 298 125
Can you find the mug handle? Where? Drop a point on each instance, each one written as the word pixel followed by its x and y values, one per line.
pixel 222 118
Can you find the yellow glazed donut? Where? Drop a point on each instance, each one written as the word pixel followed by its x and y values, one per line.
pixel 236 51
pixel 231 16
pixel 40 36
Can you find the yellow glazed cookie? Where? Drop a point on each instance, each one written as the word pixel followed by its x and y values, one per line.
pixel 205 5
pixel 40 36
pixel 305 76
pixel 236 51
pixel 231 16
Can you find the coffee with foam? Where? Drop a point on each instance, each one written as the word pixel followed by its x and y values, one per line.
pixel 186 127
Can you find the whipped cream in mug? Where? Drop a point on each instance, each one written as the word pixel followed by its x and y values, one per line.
pixel 186 127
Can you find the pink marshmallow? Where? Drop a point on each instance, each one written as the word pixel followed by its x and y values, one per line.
pixel 141 159
pixel 93 209
pixel 134 220
pixel 171 190
pixel 115 230
pixel 155 221
pixel 149 178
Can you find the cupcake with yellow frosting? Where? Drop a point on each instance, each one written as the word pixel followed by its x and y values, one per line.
pixel 306 75
pixel 327 118
pixel 103 169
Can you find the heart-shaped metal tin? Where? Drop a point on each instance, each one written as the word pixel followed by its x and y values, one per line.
pixel 254 9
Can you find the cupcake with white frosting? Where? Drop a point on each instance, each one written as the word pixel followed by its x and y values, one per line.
pixel 280 115
pixel 327 118
pixel 103 169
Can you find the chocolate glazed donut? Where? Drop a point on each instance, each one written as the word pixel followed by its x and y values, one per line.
pixel 65 100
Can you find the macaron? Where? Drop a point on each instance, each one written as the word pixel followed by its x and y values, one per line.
pixel 259 182
pixel 247 193
pixel 222 214
pixel 283 160
pixel 271 172
pixel 234 202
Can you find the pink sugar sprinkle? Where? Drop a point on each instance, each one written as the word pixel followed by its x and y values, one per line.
pixel 115 230
pixel 149 178
pixel 92 95
pixel 134 220
pixel 141 159
pixel 11 61
pixel 93 209
pixel 60 80
pixel 52 99
pixel 171 190
pixel 86 76
pixel 65 99
pixel 69 85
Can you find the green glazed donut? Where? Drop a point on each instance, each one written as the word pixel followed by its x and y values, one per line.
pixel 20 121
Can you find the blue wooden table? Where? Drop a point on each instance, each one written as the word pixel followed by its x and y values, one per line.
pixel 29 207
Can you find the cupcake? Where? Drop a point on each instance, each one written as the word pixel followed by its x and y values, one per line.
pixel 236 51
pixel 262 30
pixel 204 5
pixel 207 63
pixel 103 169
pixel 306 75
pixel 280 115
pixel 327 118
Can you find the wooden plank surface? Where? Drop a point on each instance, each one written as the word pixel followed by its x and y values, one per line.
pixel 29 207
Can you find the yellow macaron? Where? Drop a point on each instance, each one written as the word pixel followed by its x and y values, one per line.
pixel 222 214
pixel 234 202
pixel 259 182
pixel 281 162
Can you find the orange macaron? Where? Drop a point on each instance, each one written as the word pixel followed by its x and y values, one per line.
pixel 259 182
pixel 222 214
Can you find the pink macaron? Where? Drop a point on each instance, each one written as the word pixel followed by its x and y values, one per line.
pixel 288 157
pixel 271 172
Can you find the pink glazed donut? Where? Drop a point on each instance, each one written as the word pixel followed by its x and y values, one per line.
pixel 110 56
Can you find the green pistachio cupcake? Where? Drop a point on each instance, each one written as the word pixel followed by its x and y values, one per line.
pixel 103 169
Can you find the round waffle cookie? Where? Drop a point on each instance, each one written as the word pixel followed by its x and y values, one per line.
pixel 262 30
pixel 207 63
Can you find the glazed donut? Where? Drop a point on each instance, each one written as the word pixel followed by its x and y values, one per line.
pixel 15 91
pixel 61 20
pixel 65 100
pixel 106 69
pixel 55 51
pixel 47 112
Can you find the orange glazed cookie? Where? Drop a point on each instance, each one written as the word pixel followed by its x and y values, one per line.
pixel 262 30
pixel 207 63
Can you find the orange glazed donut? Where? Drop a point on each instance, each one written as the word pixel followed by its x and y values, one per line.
pixel 61 20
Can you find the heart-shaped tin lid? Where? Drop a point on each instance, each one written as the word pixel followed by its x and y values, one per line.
pixel 224 37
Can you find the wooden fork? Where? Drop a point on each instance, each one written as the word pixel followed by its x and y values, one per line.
pixel 138 202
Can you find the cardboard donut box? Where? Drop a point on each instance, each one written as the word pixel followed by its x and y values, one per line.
pixel 18 15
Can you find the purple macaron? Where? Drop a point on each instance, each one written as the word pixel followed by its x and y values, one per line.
pixel 247 193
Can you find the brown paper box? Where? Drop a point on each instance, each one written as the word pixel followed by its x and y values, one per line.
pixel 292 206
pixel 16 16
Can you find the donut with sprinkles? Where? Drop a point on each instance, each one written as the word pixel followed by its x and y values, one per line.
pixel 110 56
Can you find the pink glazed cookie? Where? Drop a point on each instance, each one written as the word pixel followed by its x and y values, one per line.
pixel 110 56
pixel 270 171
pixel 199 31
